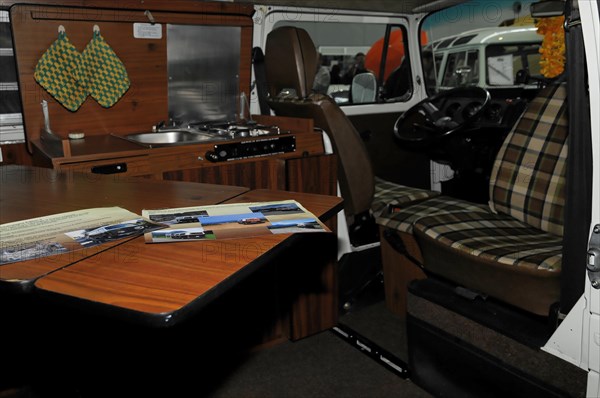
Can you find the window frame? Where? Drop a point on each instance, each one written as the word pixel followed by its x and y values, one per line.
pixel 11 124
pixel 266 16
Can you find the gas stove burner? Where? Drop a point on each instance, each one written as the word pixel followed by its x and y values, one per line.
pixel 242 132
pixel 217 131
pixel 220 130
pixel 235 130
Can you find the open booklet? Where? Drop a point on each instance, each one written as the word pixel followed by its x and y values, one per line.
pixel 77 230
pixel 67 232
pixel 239 220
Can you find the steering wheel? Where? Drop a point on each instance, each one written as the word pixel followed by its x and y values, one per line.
pixel 426 123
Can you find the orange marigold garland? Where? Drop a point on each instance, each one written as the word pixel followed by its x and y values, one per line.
pixel 552 62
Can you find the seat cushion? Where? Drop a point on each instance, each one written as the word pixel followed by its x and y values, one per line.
pixel 528 178
pixel 388 193
pixel 403 219
pixel 495 237
pixel 494 254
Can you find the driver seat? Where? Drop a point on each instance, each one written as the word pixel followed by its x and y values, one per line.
pixel 511 250
pixel 291 62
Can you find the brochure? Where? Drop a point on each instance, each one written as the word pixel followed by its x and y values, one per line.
pixel 67 232
pixel 239 220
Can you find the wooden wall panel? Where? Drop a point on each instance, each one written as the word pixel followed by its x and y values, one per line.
pixel 197 6
pixel 266 174
pixel 145 103
pixel 314 174
pixel 398 271
pixel 16 154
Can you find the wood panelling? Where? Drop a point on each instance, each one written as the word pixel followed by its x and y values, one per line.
pixel 145 103
pixel 398 271
pixel 315 293
pixel 269 174
pixel 15 154
pixel 314 174
pixel 196 6
pixel 142 105
pixel 310 284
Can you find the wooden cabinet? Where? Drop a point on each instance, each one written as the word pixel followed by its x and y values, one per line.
pixel 305 169
pixel 15 154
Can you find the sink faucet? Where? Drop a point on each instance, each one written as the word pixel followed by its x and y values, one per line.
pixel 156 128
pixel 47 129
pixel 245 108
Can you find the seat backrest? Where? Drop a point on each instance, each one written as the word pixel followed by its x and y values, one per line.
pixel 291 62
pixel 528 177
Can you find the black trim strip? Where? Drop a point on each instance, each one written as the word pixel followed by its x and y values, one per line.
pixel 579 178
pixel 372 350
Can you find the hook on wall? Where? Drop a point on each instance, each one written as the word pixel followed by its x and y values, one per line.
pixel 148 14
pixel 61 29
pixel 96 29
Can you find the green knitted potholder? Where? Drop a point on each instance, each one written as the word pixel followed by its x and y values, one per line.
pixel 101 72
pixel 54 73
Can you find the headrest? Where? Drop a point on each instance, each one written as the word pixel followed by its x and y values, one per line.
pixel 291 61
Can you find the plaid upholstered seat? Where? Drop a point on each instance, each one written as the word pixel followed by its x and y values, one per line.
pixel 404 219
pixel 495 237
pixel 528 178
pixel 388 193
pixel 494 254
pixel 513 249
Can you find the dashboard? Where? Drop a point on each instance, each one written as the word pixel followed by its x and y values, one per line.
pixel 498 114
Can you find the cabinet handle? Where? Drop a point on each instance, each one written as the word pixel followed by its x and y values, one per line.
pixel 110 168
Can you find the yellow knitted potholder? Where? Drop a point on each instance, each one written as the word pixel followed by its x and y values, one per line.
pixel 101 72
pixel 54 73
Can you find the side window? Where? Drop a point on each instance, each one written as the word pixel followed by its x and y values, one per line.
pixel 359 62
pixel 395 79
pixel 472 63
pixel 452 62
pixel 506 63
pixel 462 68
pixel 11 125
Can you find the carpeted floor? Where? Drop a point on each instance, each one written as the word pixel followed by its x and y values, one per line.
pixel 380 326
pixel 324 365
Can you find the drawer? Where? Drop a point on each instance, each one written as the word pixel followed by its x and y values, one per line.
pixel 135 166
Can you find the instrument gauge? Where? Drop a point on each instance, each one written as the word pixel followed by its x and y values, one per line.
pixel 494 113
pixel 471 110
pixel 452 109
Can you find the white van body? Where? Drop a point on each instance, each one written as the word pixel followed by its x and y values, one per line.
pixel 470 49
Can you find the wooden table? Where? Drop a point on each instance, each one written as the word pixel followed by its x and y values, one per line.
pixel 163 284
pixel 220 298
pixel 160 285
pixel 29 192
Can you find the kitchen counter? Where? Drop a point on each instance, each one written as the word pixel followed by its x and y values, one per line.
pixel 294 160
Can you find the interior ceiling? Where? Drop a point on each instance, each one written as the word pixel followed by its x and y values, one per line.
pixel 395 6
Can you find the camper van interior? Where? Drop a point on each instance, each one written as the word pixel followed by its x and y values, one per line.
pixel 418 178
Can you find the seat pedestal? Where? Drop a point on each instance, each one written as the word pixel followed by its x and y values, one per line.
pixel 398 270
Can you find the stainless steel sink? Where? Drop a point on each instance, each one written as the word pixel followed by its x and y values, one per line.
pixel 171 137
